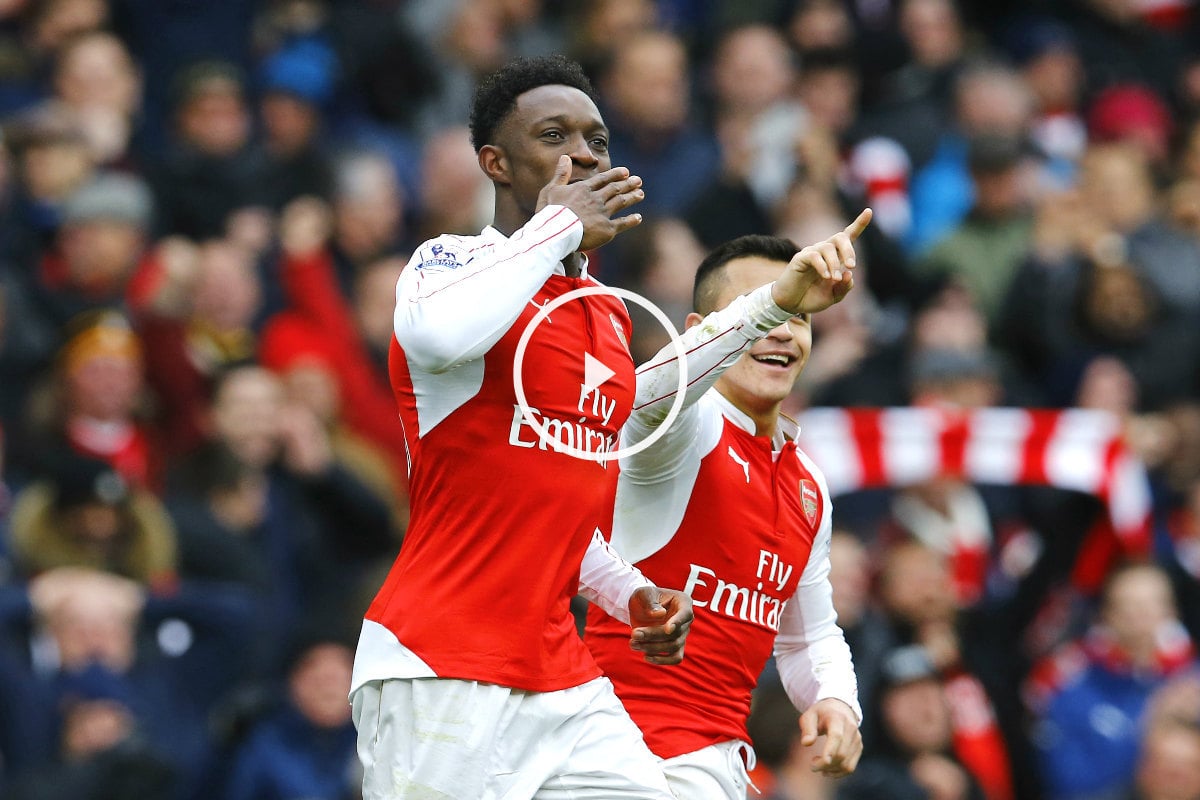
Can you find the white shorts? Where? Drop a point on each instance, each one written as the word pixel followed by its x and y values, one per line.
pixel 715 772
pixel 441 739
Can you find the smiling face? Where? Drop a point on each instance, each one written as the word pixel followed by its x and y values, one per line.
pixel 758 382
pixel 548 122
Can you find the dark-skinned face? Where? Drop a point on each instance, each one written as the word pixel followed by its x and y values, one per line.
pixel 548 121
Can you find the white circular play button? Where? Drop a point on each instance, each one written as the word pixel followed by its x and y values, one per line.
pixel 595 373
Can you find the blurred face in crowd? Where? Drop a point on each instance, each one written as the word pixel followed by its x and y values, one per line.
pixel 915 585
pixel 764 375
pixel 290 123
pixel 993 100
pixel 850 574
pixel 91 727
pixel 917 716
pixel 246 415
pixel 752 70
pixel 933 31
pixel 830 93
pixel 369 206
pixel 105 386
pixel 100 254
pixel 86 632
pixel 1138 605
pixel 1117 186
pixel 311 383
pixel 227 292
pixel 456 196
pixel 647 84
pixel 1170 763
pixel 820 24
pixel 214 120
pixel 52 170
pixel 319 685
pixel 375 302
pixel 1056 78
pixel 97 71
pixel 57 21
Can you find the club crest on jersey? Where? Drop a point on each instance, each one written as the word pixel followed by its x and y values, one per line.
pixel 808 500
pixel 620 329
pixel 439 259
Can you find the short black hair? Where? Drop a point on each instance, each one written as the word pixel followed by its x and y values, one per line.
pixel 708 274
pixel 496 95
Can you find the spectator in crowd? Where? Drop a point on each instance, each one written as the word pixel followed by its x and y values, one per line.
pixel 167 659
pixel 988 99
pixel 296 85
pixel 914 756
pixel 212 168
pixel 98 83
pixel 647 94
pixel 305 748
pixel 986 249
pixel 1169 762
pixel 99 397
pixel 1091 696
pixel 102 751
pixel 311 253
pixel 211 329
pixel 85 514
pixel 49 161
pixel 455 195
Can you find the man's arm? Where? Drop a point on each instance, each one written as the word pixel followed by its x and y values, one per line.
pixel 816 666
pixel 458 296
pixel 817 277
pixel 660 618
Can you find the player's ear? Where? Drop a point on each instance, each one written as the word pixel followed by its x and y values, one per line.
pixel 693 319
pixel 494 163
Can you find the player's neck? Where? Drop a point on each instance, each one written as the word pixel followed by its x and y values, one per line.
pixel 764 416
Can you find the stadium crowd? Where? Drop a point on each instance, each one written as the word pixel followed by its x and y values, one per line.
pixel 204 208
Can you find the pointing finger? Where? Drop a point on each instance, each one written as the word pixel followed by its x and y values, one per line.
pixel 562 171
pixel 855 229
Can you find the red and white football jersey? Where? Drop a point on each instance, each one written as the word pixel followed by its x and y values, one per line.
pixel 503 525
pixel 743 524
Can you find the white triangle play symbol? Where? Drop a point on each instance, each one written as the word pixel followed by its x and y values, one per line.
pixel 594 373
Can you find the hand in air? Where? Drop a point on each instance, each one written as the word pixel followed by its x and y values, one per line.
pixel 822 273
pixel 594 200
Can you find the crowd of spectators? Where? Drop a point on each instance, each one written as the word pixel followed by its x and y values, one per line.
pixel 204 207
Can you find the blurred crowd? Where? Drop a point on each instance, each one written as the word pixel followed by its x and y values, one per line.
pixel 204 208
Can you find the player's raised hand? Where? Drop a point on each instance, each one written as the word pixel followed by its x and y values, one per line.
pixel 822 273
pixel 843 747
pixel 661 619
pixel 594 200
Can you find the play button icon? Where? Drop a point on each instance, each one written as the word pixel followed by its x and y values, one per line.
pixel 594 372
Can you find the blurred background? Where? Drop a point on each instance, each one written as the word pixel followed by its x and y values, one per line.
pixel 204 208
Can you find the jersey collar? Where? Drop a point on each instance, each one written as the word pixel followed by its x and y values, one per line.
pixel 786 429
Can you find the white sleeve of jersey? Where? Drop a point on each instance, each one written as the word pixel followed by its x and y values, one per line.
pixel 812 655
pixel 608 580
pixel 711 346
pixel 459 295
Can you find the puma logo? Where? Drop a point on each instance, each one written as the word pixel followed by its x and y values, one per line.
pixel 743 463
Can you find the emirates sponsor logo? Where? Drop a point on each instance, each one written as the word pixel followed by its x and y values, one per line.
pixel 808 500
pixel 759 606
pixel 560 435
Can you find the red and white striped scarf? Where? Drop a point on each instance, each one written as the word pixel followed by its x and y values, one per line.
pixel 1076 449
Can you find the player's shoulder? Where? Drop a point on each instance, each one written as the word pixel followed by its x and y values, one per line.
pixel 447 252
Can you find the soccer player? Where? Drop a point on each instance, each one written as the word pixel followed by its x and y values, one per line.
pixel 727 506
pixel 469 679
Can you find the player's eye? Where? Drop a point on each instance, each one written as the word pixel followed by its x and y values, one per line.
pixel 802 319
pixel 600 143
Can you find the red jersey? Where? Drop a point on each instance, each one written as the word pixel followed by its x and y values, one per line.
pixel 743 524
pixel 501 521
